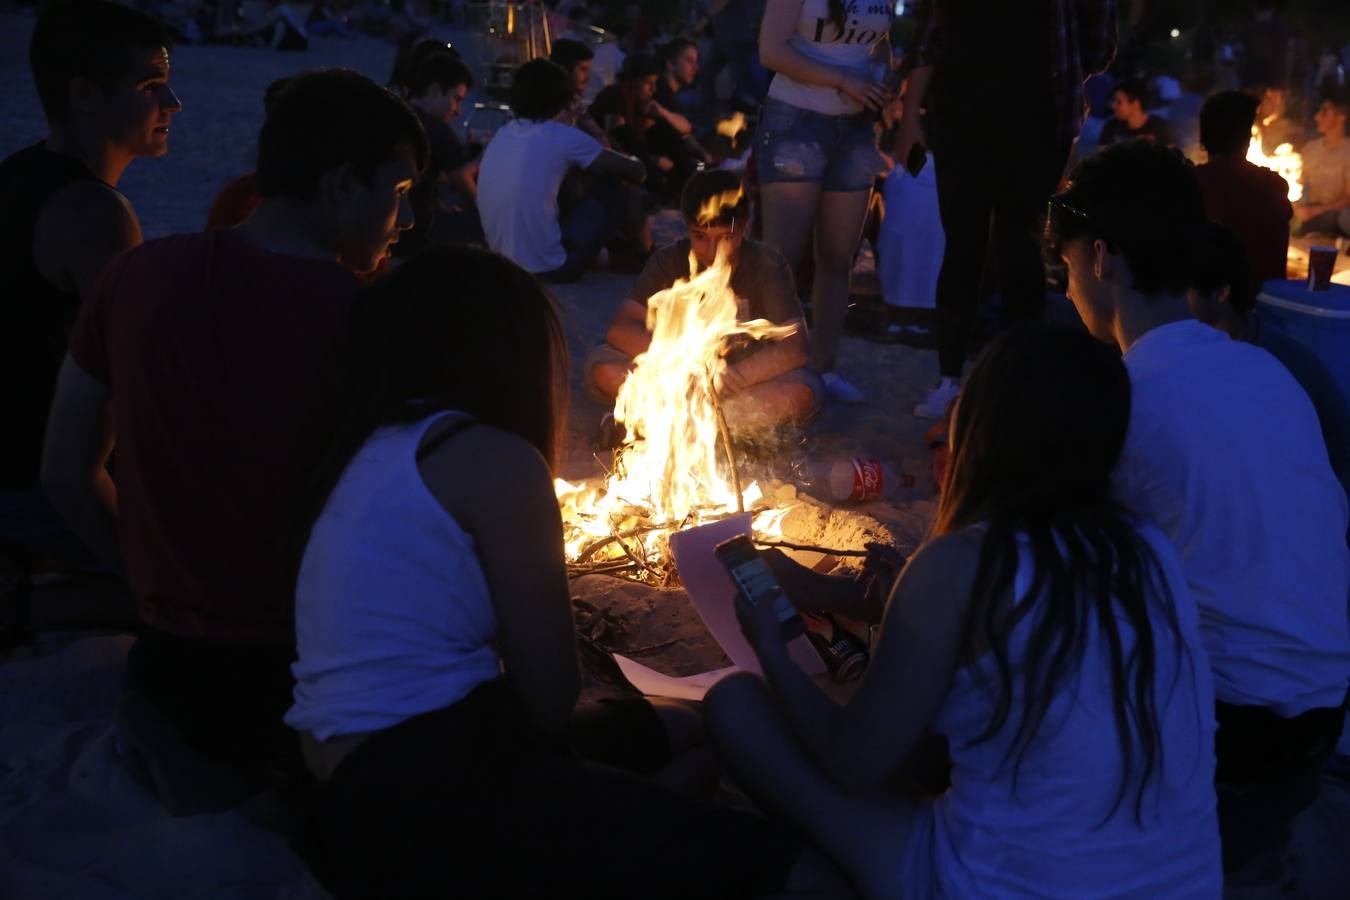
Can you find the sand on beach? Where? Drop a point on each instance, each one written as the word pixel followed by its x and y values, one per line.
pixel 72 822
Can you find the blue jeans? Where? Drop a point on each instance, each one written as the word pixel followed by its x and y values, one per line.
pixel 795 144
pixel 586 227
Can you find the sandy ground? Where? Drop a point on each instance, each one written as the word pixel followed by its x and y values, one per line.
pixel 71 821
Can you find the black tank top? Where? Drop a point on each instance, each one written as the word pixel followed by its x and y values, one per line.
pixel 35 315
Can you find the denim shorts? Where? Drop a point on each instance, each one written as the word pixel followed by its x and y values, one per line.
pixel 795 144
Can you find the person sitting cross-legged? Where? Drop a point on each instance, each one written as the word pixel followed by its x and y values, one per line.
pixel 1044 633
pixel 1225 455
pixel 437 681
pixel 1325 208
pixel 766 383
pixel 444 197
pixel 523 168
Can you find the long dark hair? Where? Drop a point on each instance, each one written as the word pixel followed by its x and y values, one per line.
pixel 1037 432
pixel 453 329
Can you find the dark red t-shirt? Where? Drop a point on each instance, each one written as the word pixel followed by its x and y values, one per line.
pixel 236 202
pixel 1253 203
pixel 221 360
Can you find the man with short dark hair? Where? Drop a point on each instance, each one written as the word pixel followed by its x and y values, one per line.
pixel 444 198
pixel 523 168
pixel 766 383
pixel 211 357
pixel 102 74
pixel 1249 200
pixel 1326 172
pixel 1224 453
pixel 679 68
pixel 1130 120
pixel 575 58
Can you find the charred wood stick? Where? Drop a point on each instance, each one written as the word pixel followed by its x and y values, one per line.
pixel 725 433
pixel 810 548
pixel 629 553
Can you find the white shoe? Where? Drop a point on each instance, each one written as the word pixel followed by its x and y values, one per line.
pixel 841 390
pixel 934 406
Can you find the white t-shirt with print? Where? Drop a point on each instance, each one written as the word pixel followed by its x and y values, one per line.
pixel 523 166
pixel 866 24
pixel 1326 173
pixel 1224 453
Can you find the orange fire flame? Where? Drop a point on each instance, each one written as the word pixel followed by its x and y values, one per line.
pixel 732 125
pixel 1283 162
pixel 671 471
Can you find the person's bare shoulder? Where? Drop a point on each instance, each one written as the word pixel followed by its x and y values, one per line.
pixel 80 228
pixel 481 470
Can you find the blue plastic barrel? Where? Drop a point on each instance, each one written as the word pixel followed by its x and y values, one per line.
pixel 1320 320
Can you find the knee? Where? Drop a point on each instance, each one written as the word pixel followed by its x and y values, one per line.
pixel 802 401
pixel 834 256
pixel 727 701
pixel 608 378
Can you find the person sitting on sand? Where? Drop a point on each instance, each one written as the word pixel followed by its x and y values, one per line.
pixel 1222 298
pixel 575 58
pixel 212 357
pixel 1225 454
pixel 437 683
pixel 523 168
pixel 1325 207
pixel 1042 633
pixel 1130 120
pixel 239 197
pixel 102 75
pixel 642 127
pixel 1249 200
pixel 766 383
pixel 444 196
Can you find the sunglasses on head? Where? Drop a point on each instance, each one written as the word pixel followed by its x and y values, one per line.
pixel 1065 221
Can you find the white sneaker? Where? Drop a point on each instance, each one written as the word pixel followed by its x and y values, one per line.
pixel 934 406
pixel 841 390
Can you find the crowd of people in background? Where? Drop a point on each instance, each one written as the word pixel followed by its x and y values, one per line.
pixel 265 428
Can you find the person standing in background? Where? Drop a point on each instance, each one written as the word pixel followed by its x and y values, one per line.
pixel 1001 159
pixel 816 150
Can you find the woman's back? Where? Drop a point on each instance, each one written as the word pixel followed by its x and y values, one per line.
pixel 393 614
pixel 1048 827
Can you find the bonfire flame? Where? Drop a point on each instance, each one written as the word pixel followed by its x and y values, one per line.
pixel 732 125
pixel 1283 162
pixel 672 470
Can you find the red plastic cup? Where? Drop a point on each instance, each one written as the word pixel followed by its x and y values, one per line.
pixel 1321 263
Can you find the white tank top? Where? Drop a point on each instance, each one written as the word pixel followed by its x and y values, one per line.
pixel 866 24
pixel 392 612
pixel 1041 838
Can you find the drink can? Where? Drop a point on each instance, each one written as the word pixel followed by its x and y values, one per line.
pixel 845 656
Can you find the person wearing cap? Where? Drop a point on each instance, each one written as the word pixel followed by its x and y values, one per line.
pixel 766 383
pixel 640 126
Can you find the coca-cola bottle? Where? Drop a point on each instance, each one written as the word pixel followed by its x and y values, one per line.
pixel 858 479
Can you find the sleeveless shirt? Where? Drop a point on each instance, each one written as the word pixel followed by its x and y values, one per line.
pixel 35 315
pixel 867 24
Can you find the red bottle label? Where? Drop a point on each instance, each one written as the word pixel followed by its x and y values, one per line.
pixel 868 479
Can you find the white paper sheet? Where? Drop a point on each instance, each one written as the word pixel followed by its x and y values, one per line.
pixel 713 593
pixel 656 684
